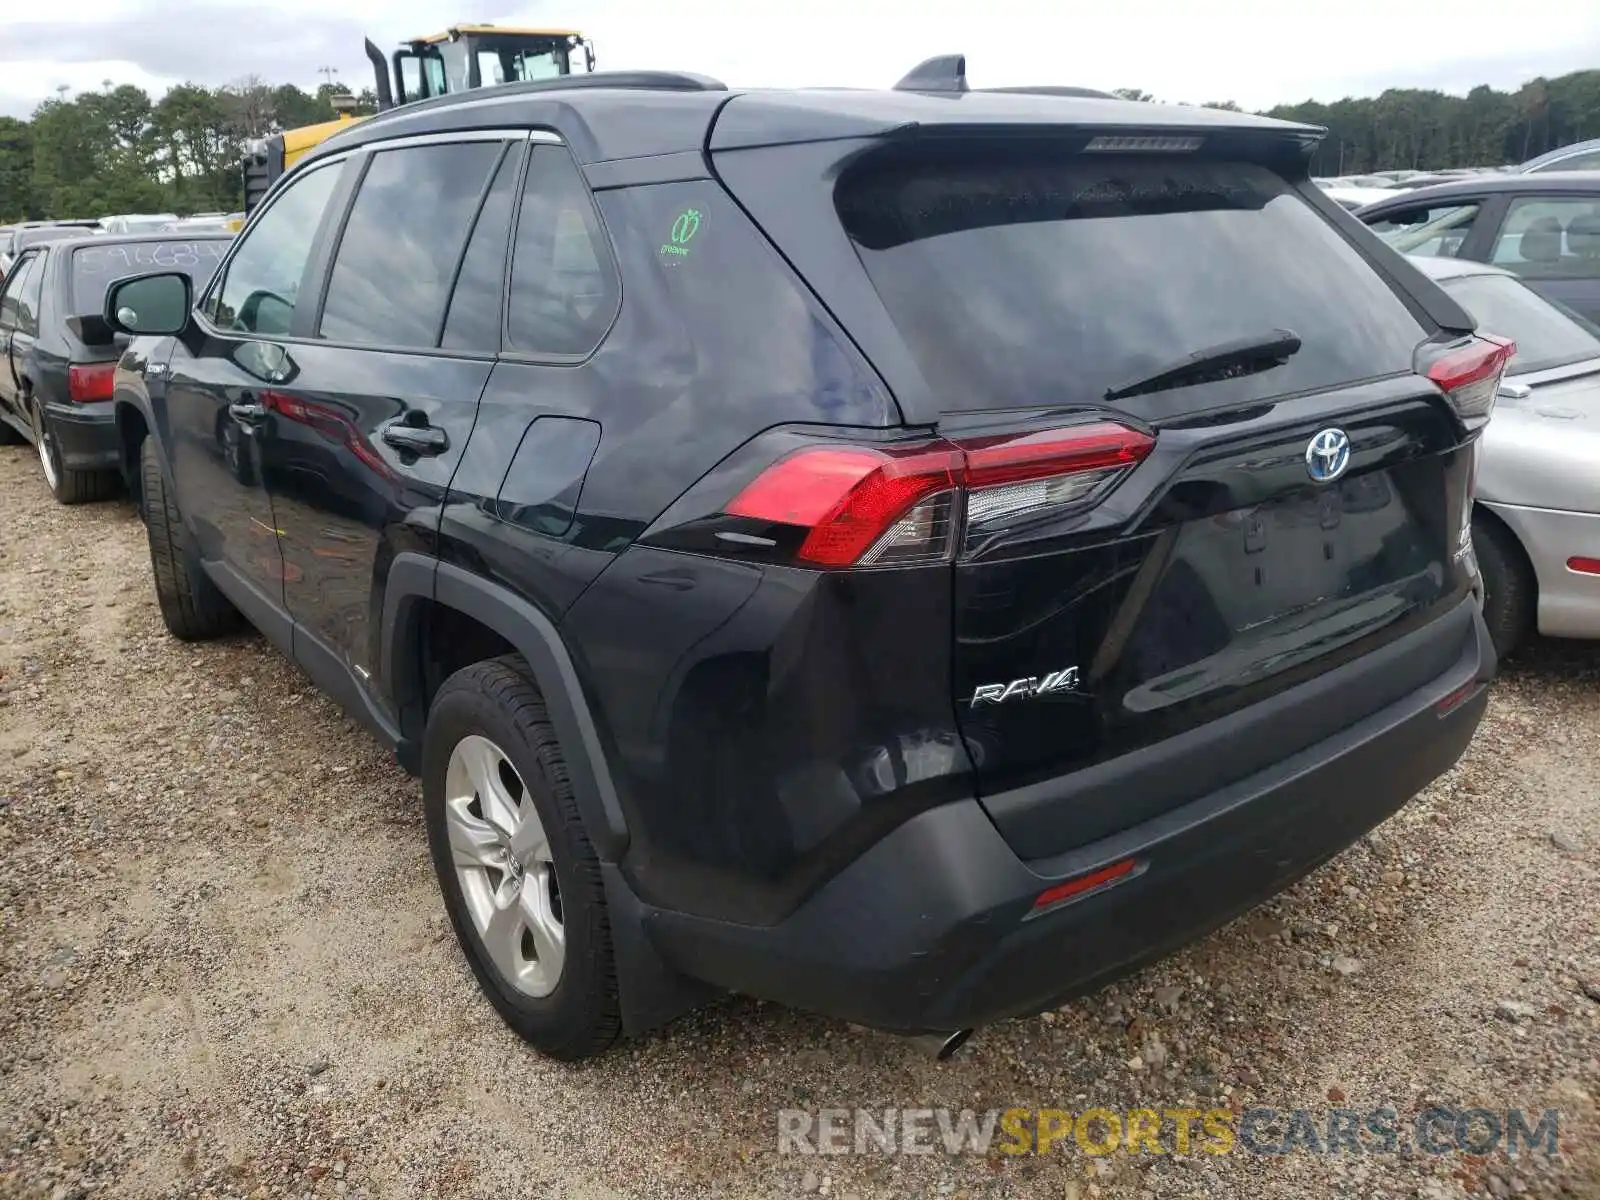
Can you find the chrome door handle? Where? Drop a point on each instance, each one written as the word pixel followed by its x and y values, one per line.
pixel 247 411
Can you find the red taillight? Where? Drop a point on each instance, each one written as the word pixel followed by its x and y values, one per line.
pixel 878 507
pixel 92 383
pixel 1583 565
pixel 1083 884
pixel 1470 375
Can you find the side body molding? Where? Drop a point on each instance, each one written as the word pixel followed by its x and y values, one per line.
pixel 414 578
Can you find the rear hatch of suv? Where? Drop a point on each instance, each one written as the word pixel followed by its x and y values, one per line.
pixel 1208 453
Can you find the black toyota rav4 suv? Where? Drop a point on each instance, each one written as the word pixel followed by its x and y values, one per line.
pixel 913 555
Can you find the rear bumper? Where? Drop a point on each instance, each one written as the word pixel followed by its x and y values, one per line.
pixel 86 437
pixel 1569 603
pixel 931 928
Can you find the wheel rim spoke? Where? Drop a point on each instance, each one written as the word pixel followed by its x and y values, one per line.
pixel 473 843
pixel 549 937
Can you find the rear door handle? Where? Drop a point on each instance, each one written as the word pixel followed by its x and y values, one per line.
pixel 248 411
pixel 417 439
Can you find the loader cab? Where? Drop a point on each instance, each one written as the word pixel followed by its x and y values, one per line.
pixel 472 56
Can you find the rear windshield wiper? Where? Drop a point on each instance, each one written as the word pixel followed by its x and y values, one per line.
pixel 1226 360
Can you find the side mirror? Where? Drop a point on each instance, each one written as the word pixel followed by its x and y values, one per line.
pixel 588 55
pixel 155 304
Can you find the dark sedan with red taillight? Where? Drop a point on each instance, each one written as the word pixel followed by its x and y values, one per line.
pixel 57 355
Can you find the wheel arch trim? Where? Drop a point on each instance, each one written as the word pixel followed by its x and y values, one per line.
pixel 414 578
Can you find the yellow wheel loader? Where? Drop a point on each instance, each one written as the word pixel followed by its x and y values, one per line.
pixel 462 57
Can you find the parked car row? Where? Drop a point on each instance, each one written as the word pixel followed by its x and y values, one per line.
pixel 58 353
pixel 824 545
pixel 14 238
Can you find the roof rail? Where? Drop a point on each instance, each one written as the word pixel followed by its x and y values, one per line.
pixel 664 81
pixel 944 73
pixel 1051 90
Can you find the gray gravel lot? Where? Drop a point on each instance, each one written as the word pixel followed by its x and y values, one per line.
pixel 224 969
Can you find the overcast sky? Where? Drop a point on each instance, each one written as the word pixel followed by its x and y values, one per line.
pixel 1257 52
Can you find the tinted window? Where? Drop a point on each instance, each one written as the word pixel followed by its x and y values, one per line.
pixel 1028 283
pixel 261 284
pixel 1550 238
pixel 95 268
pixel 14 283
pixel 29 294
pixel 474 320
pixel 564 290
pixel 1436 230
pixel 393 270
pixel 1546 336
pixel 715 303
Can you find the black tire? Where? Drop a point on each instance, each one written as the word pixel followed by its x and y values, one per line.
pixel 68 486
pixel 496 699
pixel 1510 591
pixel 192 607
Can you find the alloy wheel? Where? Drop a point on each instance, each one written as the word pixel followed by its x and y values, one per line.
pixel 504 866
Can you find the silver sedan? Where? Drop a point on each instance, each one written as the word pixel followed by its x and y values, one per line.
pixel 1536 521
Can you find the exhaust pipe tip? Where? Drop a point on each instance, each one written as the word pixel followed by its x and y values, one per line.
pixel 941 1047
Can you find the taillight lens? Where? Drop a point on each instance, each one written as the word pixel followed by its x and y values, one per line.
pixel 90 384
pixel 1470 375
pixel 890 507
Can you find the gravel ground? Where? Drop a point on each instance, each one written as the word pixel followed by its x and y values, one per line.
pixel 224 970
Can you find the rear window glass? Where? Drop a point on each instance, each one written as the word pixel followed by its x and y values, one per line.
pixel 1050 280
pixel 1546 336
pixel 95 268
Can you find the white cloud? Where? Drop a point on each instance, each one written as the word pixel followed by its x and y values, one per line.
pixel 1257 52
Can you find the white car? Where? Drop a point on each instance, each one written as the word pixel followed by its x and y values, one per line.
pixel 1536 520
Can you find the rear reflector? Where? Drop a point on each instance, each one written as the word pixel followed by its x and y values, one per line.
pixel 1584 566
pixel 1470 376
pixel 1084 884
pixel 1457 698
pixel 90 384
pixel 886 506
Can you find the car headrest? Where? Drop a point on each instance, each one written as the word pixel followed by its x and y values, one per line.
pixel 1541 241
pixel 1583 236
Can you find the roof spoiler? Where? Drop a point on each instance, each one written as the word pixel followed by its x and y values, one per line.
pixel 380 75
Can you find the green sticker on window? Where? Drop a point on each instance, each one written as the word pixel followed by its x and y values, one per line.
pixel 684 228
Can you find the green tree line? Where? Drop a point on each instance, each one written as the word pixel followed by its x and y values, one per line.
pixel 117 150
pixel 1428 130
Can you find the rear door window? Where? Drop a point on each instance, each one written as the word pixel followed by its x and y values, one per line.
pixel 1025 282
pixel 403 240
pixel 1550 238
pixel 95 268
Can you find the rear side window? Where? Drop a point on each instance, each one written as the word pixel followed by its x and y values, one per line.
pixel 1024 283
pixel 95 268
pixel 716 303
pixel 402 242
